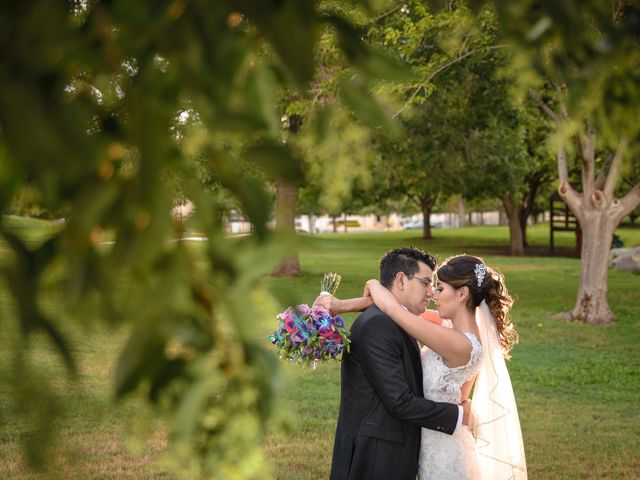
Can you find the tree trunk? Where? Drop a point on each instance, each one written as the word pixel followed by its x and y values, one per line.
pixel 426 204
pixel 592 305
pixel 515 228
pixel 312 224
pixel 461 217
pixel 286 203
pixel 334 221
pixel 286 200
pixel 524 216
pixel 533 181
pixel 344 215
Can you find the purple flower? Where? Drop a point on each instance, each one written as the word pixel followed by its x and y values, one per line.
pixel 304 310
pixel 317 312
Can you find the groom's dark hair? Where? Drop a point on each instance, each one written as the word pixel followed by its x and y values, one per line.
pixel 405 260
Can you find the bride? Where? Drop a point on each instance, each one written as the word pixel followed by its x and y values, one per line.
pixel 475 300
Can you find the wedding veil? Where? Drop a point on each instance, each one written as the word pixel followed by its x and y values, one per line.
pixel 496 424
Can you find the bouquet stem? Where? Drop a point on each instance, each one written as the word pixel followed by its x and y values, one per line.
pixel 330 283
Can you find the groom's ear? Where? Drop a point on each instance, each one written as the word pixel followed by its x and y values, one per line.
pixel 399 280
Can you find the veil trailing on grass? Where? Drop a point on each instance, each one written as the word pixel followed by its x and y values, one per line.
pixel 496 425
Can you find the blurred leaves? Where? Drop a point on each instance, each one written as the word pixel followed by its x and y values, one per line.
pixel 107 111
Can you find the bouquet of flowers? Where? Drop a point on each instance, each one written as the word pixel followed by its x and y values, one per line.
pixel 308 335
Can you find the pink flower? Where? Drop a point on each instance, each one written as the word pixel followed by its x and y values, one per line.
pixel 286 315
pixel 325 331
pixel 290 325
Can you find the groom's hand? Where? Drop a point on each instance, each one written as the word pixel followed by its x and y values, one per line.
pixel 467 418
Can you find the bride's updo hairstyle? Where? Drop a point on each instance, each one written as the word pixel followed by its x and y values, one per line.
pixel 466 271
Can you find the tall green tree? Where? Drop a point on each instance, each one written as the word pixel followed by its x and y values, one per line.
pixel 465 134
pixel 338 90
pixel 433 105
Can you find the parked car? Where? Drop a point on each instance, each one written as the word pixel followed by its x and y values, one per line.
pixel 418 224
pixel 413 225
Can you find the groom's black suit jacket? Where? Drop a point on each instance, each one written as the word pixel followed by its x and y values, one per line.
pixel 382 406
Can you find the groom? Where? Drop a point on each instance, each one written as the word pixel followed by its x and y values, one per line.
pixel 382 406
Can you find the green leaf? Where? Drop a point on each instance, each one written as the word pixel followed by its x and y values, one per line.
pixel 385 67
pixel 291 28
pixel 365 107
pixel 169 371
pixel 260 100
pixel 142 355
pixel 276 159
pixel 193 403
pixel 376 64
pixel 249 192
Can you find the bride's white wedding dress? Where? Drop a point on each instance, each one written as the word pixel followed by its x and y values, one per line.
pixel 443 456
pixel 497 452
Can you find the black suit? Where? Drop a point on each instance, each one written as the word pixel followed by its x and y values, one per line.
pixel 382 406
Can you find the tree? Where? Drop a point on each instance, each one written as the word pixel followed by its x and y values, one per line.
pixel 342 59
pixel 512 162
pixel 599 112
pixel 597 210
pixel 589 52
pixel 464 132
pixel 435 107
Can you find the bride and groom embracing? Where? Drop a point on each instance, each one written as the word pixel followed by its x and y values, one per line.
pixel 406 411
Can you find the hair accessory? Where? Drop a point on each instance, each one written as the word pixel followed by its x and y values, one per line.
pixel 480 271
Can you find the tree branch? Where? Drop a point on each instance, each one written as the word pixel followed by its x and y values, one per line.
pixel 563 107
pixel 614 170
pixel 566 191
pixel 630 201
pixel 543 105
pixel 602 176
pixel 563 170
pixel 440 69
pixel 390 12
pixel 585 144
pixel 573 199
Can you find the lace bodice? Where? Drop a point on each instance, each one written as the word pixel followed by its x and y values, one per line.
pixel 442 383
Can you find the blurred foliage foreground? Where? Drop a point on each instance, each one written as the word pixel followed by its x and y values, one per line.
pixel 91 107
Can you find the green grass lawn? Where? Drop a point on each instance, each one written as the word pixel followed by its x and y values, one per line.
pixel 577 386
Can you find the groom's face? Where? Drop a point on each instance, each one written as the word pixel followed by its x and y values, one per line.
pixel 418 289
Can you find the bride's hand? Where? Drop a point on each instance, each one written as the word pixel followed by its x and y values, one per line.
pixel 331 303
pixel 367 287
pixel 380 295
pixel 467 417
